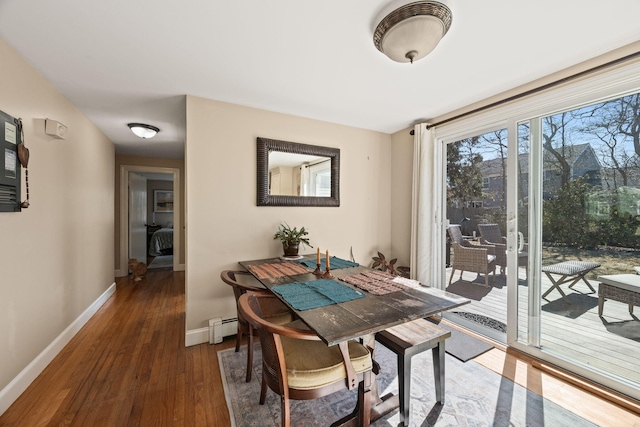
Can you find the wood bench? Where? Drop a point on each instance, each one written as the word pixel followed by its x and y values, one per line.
pixel 623 288
pixel 407 340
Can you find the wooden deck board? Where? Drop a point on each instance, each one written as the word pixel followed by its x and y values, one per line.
pixel 610 344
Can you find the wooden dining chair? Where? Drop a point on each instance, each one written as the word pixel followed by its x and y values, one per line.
pixel 297 365
pixel 277 312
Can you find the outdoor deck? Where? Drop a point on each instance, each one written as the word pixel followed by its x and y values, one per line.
pixel 575 330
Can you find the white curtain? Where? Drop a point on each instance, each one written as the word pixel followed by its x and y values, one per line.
pixel 426 221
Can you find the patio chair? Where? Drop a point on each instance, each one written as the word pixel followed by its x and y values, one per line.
pixel 490 234
pixel 277 313
pixel 479 259
pixel 297 365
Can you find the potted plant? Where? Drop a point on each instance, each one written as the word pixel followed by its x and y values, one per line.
pixel 291 239
pixel 381 263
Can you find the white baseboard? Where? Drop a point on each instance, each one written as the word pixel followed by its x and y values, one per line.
pixel 19 384
pixel 197 336
pixel 180 267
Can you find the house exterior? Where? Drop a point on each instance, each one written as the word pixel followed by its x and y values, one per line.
pixel 581 158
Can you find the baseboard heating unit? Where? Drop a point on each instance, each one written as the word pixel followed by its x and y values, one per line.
pixel 220 328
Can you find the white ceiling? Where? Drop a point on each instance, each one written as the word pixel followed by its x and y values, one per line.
pixel 123 61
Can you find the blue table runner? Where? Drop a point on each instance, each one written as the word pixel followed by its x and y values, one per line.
pixel 316 293
pixel 335 264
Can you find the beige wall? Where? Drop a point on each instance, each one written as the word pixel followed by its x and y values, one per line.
pixel 401 192
pixel 154 162
pixel 225 225
pixel 56 256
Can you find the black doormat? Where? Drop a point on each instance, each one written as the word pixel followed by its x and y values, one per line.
pixel 462 346
pixel 483 320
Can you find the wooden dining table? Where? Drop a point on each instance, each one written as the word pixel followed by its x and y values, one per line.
pixel 359 318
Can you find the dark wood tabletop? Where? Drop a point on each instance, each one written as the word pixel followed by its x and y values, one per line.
pixel 363 316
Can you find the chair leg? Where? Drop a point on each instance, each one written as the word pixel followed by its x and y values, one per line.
pixel 438 370
pixel 452 272
pixel 250 355
pixel 404 377
pixel 286 411
pixel 263 389
pixel 238 339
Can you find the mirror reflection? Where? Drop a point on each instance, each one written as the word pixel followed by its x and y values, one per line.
pixel 294 174
pixel 299 175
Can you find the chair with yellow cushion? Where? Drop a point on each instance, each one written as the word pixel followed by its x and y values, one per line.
pixel 277 312
pixel 297 365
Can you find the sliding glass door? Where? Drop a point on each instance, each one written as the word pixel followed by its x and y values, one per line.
pixel 580 190
pixel 552 183
pixel 475 255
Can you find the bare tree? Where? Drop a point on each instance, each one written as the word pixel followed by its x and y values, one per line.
pixel 613 123
pixel 557 142
pixel 497 142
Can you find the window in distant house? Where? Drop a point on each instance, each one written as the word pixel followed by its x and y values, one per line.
pixel 485 183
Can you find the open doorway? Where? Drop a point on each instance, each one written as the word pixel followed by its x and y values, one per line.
pixel 149 221
pixel 159 224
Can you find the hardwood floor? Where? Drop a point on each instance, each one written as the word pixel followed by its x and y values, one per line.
pixel 128 367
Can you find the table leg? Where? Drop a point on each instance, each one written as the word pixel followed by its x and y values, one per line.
pixel 600 305
pixel 380 406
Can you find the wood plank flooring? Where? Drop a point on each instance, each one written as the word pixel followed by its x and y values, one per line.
pixel 128 367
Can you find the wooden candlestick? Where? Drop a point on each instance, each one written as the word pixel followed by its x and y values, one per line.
pixel 317 271
pixel 327 273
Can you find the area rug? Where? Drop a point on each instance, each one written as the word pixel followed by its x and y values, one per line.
pixel 475 396
pixel 162 261
pixel 486 321
pixel 462 346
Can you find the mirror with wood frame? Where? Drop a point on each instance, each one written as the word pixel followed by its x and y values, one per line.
pixel 293 174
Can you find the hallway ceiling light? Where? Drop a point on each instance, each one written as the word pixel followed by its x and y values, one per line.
pixel 143 131
pixel 411 31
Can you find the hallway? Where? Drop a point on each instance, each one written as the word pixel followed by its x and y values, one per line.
pixel 128 366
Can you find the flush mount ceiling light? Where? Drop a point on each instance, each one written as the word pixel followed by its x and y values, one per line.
pixel 142 130
pixel 412 31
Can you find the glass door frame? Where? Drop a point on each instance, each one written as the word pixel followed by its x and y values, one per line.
pixel 512 236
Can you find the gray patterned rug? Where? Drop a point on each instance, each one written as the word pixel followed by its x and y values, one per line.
pixel 475 396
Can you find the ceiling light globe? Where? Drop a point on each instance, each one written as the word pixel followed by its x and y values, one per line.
pixel 142 130
pixel 420 34
pixel 412 31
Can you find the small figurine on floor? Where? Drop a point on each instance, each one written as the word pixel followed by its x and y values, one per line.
pixel 138 269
